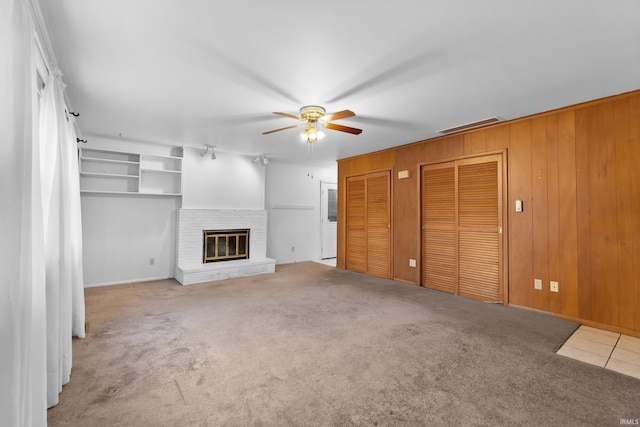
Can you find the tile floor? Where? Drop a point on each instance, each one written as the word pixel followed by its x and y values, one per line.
pixel 609 350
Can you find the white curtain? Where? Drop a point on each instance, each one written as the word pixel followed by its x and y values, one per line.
pixel 22 275
pixel 73 228
pixel 62 227
pixel 41 288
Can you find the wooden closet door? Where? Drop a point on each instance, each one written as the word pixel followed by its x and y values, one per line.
pixel 368 224
pixel 462 227
pixel 378 224
pixel 480 228
pixel 356 225
pixel 439 237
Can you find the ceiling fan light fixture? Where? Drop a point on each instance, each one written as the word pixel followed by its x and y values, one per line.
pixel 312 134
pixel 312 113
pixel 315 119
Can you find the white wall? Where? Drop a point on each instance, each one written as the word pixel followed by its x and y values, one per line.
pixel 293 204
pixel 229 182
pixel 122 233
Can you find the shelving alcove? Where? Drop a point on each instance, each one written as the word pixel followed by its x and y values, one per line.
pixel 104 171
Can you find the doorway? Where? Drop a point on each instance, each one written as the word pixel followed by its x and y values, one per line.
pixel 329 222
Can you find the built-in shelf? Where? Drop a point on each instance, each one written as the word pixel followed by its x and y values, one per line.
pixel 116 172
pixel 159 171
pixel 109 175
pixel 98 160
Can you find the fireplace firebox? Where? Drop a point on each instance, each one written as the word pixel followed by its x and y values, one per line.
pixel 225 245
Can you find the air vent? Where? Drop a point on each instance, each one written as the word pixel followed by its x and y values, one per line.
pixel 471 125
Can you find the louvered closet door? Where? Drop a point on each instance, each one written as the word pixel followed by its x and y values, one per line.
pixel 368 224
pixel 461 227
pixel 439 245
pixel 356 226
pixel 378 225
pixel 479 232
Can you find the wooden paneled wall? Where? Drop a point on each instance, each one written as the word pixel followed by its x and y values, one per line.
pixel 577 171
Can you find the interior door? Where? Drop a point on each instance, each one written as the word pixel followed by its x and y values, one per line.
pixel 329 212
pixel 368 224
pixel 378 220
pixel 356 225
pixel 479 228
pixel 462 227
pixel 439 237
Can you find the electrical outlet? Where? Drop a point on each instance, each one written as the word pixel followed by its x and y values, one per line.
pixel 152 261
pixel 293 248
pixel 553 286
pixel 537 284
pixel 412 263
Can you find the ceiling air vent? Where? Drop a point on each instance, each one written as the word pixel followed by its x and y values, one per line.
pixel 471 125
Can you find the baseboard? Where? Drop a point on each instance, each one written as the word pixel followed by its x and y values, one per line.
pixel 125 282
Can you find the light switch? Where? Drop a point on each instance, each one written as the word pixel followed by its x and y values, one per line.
pixel 537 284
pixel 519 207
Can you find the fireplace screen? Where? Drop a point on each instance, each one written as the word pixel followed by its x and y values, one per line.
pixel 225 245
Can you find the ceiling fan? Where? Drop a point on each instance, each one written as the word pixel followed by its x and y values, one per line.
pixel 314 118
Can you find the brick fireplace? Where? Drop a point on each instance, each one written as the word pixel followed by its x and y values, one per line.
pixel 191 229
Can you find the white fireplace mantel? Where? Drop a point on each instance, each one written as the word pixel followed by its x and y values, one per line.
pixel 189 243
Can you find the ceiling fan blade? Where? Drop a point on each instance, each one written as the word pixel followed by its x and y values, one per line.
pixel 341 128
pixel 278 130
pixel 291 116
pixel 339 115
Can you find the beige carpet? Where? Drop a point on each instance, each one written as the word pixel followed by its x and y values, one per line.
pixel 314 345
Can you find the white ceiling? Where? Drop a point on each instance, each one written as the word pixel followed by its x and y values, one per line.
pixel 197 72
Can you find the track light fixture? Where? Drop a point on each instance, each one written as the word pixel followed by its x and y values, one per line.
pixel 262 158
pixel 210 149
